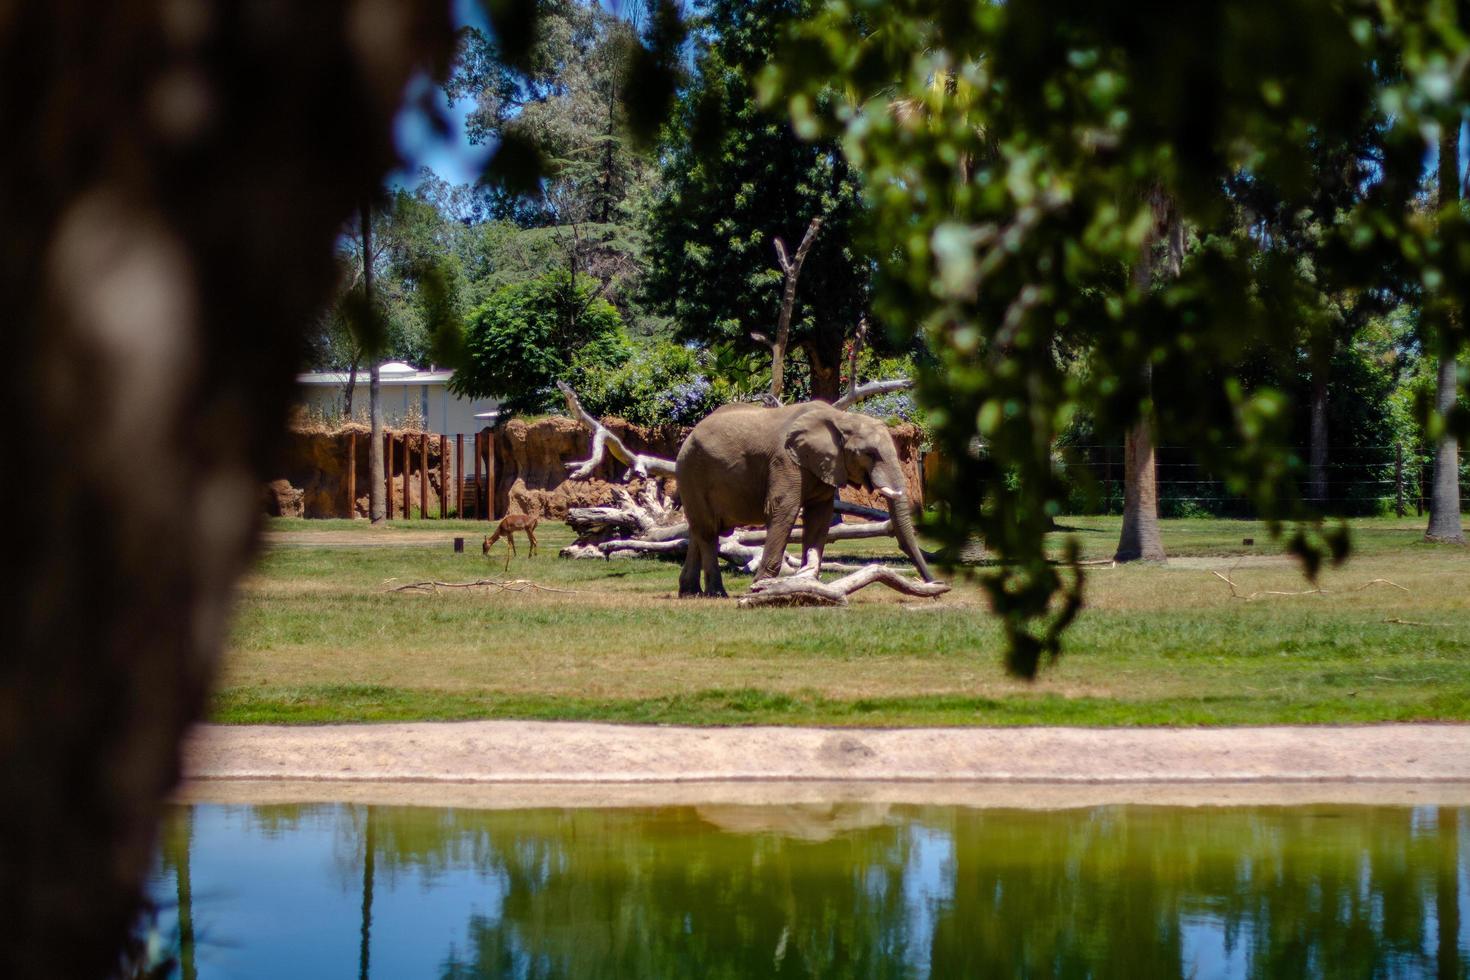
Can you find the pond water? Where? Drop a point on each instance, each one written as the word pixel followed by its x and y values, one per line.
pixel 863 890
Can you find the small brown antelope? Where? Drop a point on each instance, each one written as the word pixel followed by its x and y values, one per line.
pixel 508 528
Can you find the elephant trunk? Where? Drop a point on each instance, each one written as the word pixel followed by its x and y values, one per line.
pixel 903 529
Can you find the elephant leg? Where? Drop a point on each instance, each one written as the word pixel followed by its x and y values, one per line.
pixel 709 554
pixel 816 520
pixel 689 576
pixel 780 516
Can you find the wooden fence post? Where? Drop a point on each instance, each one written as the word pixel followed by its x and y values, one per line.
pixel 490 475
pixel 407 458
pixel 1421 503
pixel 1398 479
pixel 424 475
pixel 478 494
pixel 459 474
pixel 388 475
pixel 443 474
pixel 351 474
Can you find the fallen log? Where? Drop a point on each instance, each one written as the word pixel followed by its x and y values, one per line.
pixel 808 590
pixel 650 515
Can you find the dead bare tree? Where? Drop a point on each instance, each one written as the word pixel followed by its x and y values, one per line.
pixel 859 338
pixel 791 269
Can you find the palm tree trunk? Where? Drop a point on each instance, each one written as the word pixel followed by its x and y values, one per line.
pixel 1444 494
pixel 377 502
pixel 1139 539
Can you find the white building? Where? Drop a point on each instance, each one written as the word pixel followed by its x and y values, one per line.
pixel 407 393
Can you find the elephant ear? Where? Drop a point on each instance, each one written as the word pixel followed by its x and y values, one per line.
pixel 815 443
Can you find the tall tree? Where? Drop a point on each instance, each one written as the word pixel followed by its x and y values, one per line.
pixel 1139 539
pixel 1070 104
pixel 1343 170
pixel 530 335
pixel 377 491
pixel 565 104
pixel 1444 492
pixel 735 177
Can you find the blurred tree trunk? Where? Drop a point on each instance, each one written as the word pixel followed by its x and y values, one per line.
pixel 1444 488
pixel 174 181
pixel 1139 539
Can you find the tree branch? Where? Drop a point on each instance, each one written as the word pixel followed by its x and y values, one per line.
pixel 603 441
pixel 870 389
pixel 858 339
pixel 791 267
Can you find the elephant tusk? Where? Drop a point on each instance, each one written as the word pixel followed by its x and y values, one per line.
pixel 890 493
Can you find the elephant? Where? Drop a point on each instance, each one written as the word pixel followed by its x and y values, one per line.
pixel 750 464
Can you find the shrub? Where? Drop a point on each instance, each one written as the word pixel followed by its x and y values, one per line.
pixel 662 383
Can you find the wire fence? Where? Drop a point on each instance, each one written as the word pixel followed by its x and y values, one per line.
pixel 1355 481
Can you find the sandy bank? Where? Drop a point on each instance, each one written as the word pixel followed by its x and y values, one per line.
pixel 511 763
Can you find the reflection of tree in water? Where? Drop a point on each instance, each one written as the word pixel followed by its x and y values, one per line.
pixel 175 846
pixel 1307 892
pixel 862 890
pixel 639 893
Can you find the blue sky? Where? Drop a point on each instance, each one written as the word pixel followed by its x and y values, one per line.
pixel 452 158
pixel 419 145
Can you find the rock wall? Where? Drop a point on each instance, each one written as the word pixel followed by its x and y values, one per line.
pixel 530 467
pixel 908 440
pixel 531 463
pixel 315 463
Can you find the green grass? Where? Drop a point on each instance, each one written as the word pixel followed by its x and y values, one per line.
pixel 317 638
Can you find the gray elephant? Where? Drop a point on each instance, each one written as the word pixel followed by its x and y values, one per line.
pixel 747 464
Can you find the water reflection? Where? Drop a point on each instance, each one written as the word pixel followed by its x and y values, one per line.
pixel 848 889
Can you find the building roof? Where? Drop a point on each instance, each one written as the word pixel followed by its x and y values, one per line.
pixel 394 373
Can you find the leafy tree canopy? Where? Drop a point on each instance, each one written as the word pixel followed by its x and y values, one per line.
pixel 663 383
pixel 530 335
pixel 418 291
pixel 562 106
pixel 1016 155
pixel 735 176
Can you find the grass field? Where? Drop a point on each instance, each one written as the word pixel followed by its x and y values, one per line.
pixel 317 638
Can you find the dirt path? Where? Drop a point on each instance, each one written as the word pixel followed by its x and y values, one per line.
pixel 559 763
pixel 366 538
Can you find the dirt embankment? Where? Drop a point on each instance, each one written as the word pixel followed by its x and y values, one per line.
pixel 312 472
pixel 522 763
pixel 531 464
pixel 526 462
